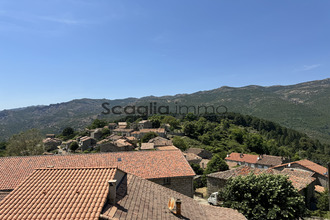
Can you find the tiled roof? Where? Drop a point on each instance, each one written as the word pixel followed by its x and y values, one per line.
pixel 299 178
pixel 248 158
pixel 146 164
pixel 160 141
pixel 123 130
pixel 319 189
pixel 156 130
pixel 313 166
pixel 269 160
pixel 172 147
pixel 309 165
pixel 255 159
pixel 139 199
pixel 192 156
pixel 147 146
pixel 122 143
pixel 68 193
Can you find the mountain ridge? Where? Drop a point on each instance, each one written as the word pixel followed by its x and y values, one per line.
pixel 303 107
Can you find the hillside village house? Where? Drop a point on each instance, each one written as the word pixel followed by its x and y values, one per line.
pixel 103 193
pixel 160 141
pixel 86 143
pixel 192 158
pixel 302 180
pixel 123 131
pixel 144 124
pixel 96 134
pixel 139 134
pixel 167 168
pixel 122 125
pixel 258 161
pixel 319 172
pixel 112 126
pixel 147 146
pixel 204 154
pixel 118 145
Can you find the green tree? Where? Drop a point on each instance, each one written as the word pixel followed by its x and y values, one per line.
pixel 179 143
pixel 190 129
pixel 74 146
pixel 172 121
pixel 216 164
pixel 198 170
pixel 68 131
pixel 97 123
pixel 3 146
pixel 25 144
pixel 148 136
pixel 264 196
pixel 105 132
pixel 323 201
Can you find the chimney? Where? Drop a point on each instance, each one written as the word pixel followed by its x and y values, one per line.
pixel 178 207
pixel 112 192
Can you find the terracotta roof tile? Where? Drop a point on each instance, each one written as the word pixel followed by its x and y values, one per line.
pixel 309 165
pixel 171 147
pixel 60 193
pixel 255 159
pixel 138 198
pixel 319 189
pixel 156 130
pixel 160 141
pixel 147 146
pixel 248 158
pixel 146 164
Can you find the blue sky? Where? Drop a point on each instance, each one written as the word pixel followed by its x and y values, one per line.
pixel 56 51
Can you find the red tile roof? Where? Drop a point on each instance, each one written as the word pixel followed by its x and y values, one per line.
pixel 313 166
pixel 146 164
pixel 139 199
pixel 248 158
pixel 156 130
pixel 309 165
pixel 267 160
pixel 172 147
pixel 319 189
pixel 68 193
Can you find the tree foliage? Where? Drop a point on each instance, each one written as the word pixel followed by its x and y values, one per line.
pixel 263 196
pixel 25 144
pixel 323 201
pixel 216 164
pixel 97 123
pixel 179 143
pixel 198 170
pixel 148 136
pixel 74 146
pixel 68 131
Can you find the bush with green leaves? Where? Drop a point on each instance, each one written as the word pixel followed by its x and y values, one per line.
pixel 263 196
pixel 25 144
pixel 148 136
pixel 216 164
pixel 98 123
pixel 179 143
pixel 74 146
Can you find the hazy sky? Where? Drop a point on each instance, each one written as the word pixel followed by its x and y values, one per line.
pixel 53 51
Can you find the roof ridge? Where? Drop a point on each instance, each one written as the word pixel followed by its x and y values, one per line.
pixel 76 168
pixel 81 154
